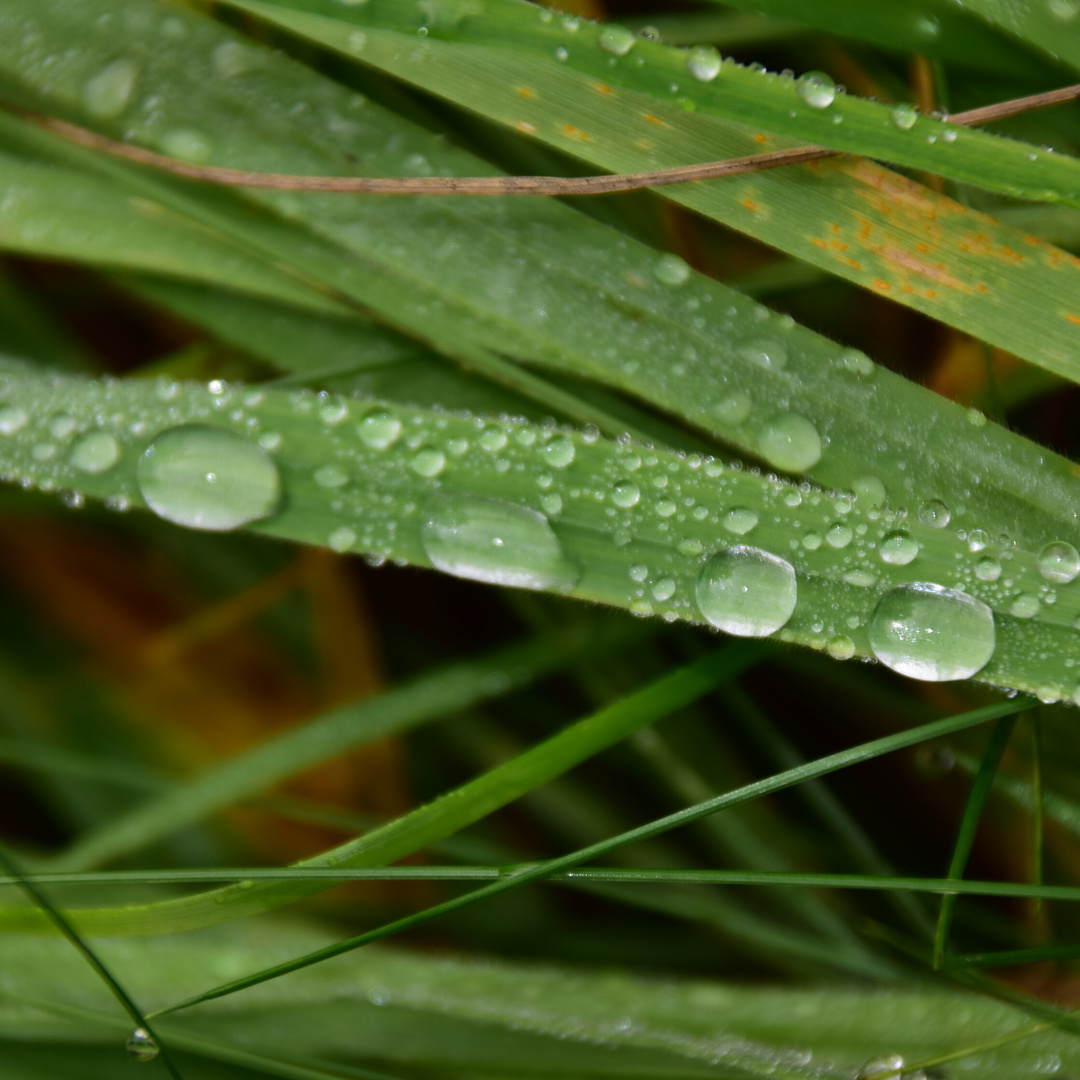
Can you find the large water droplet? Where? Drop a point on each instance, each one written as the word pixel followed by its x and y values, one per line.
pixel 1059 562
pixel 869 490
pixel 898 548
pixel 839 535
pixel 616 40
pixel 932 633
pixel 13 419
pixel 881 1067
pixel 428 462
pixel 740 520
pixel 934 514
pixel 558 453
pixel 141 1046
pixel 817 89
pixel 107 94
pixel 703 62
pixel 904 116
pixel 206 478
pixel 495 542
pixel 746 592
pixel 789 442
pixel 841 647
pixel 626 494
pixel 96 452
pixel 380 430
pixel 671 270
pixel 341 539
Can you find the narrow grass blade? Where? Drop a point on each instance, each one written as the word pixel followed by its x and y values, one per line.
pixel 1050 26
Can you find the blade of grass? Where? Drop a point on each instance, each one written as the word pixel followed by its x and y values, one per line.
pixel 969 825
pixel 1050 26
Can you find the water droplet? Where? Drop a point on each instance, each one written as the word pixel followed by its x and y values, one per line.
pixel 330 476
pixel 558 453
pixel 381 430
pixel 638 572
pixel 766 353
pixel 13 419
pixel 880 1067
pixel 495 542
pixel 746 592
pixel 96 452
pixel 341 539
pixel 1059 562
pixel 932 633
pixel 107 94
pixel 270 441
pixel 205 478
pixel 817 89
pixel 333 410
pixel 934 514
pixel 988 569
pixel 856 362
pixel 671 270
pixel 650 33
pixel 789 442
pixel 186 144
pixel 1064 10
pixel 493 439
pixel 561 54
pixel 428 462
pixel 898 548
pixel 231 59
pixel 690 547
pixel 904 116
pixel 734 408
pixel 551 504
pixel 62 426
pixel 664 589
pixel 977 540
pixel 839 535
pixel 616 40
pixel 1025 606
pixel 841 647
pixel 626 494
pixel 141 1046
pixel 666 507
pixel 869 490
pixel 703 62
pixel 811 541
pixel 740 520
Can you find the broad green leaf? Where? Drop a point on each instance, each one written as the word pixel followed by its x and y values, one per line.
pixel 1052 25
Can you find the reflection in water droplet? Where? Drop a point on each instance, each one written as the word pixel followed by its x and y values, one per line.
pixel 988 569
pixel 1059 562
pixel 96 452
pixel 492 439
pixel 333 410
pixel 671 270
pixel 616 40
pixel 495 542
pixel 428 462
pixel 206 478
pixel 841 647
pixel 977 540
pixel 107 94
pixel 904 116
pixel 141 1046
pixel 638 572
pixel 932 633
pixel 839 535
pixel 789 442
pixel 734 408
pixel 746 592
pixel 1025 606
pixel 13 419
pixel 341 539
pixel 551 504
pixel 703 62
pixel 558 453
pixel 330 476
pixel 626 494
pixel 817 89
pixel 898 548
pixel 740 520
pixel 934 514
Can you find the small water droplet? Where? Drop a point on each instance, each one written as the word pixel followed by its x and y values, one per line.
pixel 977 540
pixel 746 592
pixel 206 478
pixel 330 476
pixel 934 514
pixel 841 647
pixel 880 1067
pixel 650 33
pixel 428 462
pixel 270 441
pixel 381 430
pixel 790 442
pixel 561 54
pixel 869 490
pixel 904 116
pixel 735 408
pixel 107 94
pixel 333 410
pixel 664 589
pixel 703 62
pixel 231 59
pixel 341 539
pixel 817 89
pixel 616 40
pixel 856 362
pixel 638 572
pixel 898 548
pixel 96 452
pixel 988 569
pixel 767 353
pixel 558 453
pixel 690 547
pixel 626 494
pixel 740 520
pixel 495 542
pixel 1025 606
pixel 839 535
pixel 141 1046
pixel 1059 562
pixel 13 419
pixel 811 541
pixel 551 503
pixel 666 507
pixel 62 426
pixel 186 144
pixel 357 42
pixel 669 269
pixel 932 633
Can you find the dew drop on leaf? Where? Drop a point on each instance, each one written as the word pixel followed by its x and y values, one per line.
pixel 428 462
pixel 934 514
pixel 841 647
pixel 898 548
pixel 669 269
pixel 186 144
pixel 616 40
pixel 341 539
pixel 703 62
pixel 1025 606
pixel 817 89
pixel 766 353
pixel 790 442
pixel 839 535
pixel 380 430
pixel 141 1046
pixel 96 452
pixel 932 633
pixel 735 408
pixel 740 520
pixel 904 116
pixel 558 453
pixel 206 478
pixel 746 592
pixel 330 476
pixel 107 94
pixel 1059 562
pixel 988 569
pixel 626 494
pixel 496 542
pixel 13 419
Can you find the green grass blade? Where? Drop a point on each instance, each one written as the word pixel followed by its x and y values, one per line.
pixel 1050 26
pixel 969 825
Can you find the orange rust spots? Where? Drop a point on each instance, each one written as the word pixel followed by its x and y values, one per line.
pixel 575 133
pixel 980 287
pixel 1031 241
pixel 655 120
pixel 930 294
pixel 818 243
pixel 751 205
pixel 525 127
pixel 835 228
pixel 643 144
pixel 601 88
pixel 1055 257
pixel 923 248
pixel 838 246
pixel 759 138
pixel 636 280
pixel 524 91
pixel 1074 319
pixel 883 286
pixel 851 262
